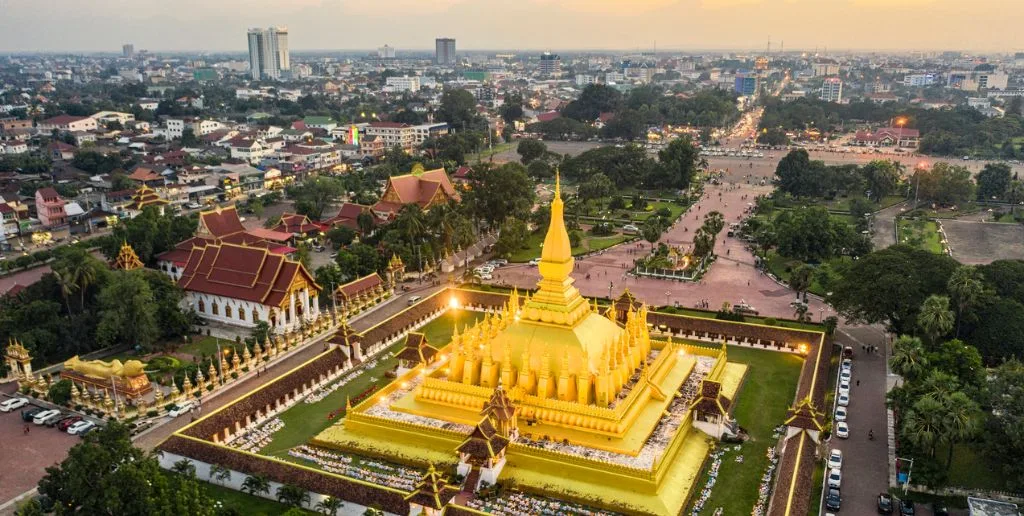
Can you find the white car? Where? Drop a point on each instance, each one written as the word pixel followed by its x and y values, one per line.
pixel 845 374
pixel 486 276
pixel 847 363
pixel 840 414
pixel 844 387
pixel 178 410
pixel 80 427
pixel 535 261
pixel 193 206
pixel 835 478
pixel 630 227
pixel 41 417
pixel 13 403
pixel 842 430
pixel 844 400
pixel 835 459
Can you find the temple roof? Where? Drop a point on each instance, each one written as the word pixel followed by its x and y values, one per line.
pixel 804 415
pixel 711 399
pixel 359 285
pixel 295 223
pixel 127 259
pixel 220 222
pixel 239 272
pixel 417 349
pixel 484 442
pixel 500 406
pixel 432 491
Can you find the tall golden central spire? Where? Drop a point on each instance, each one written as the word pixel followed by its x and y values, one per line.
pixel 556 300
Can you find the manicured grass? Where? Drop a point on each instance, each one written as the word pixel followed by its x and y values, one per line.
pixel 766 394
pixel 708 314
pixel 588 244
pixel 781 267
pixel 839 204
pixel 498 148
pixel 305 420
pixel 971 469
pixel 817 481
pixel 920 233
pixel 205 346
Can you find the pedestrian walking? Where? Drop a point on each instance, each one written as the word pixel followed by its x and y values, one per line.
pixel 858 383
pixel 26 430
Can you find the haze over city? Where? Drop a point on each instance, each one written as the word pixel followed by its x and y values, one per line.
pixel 102 25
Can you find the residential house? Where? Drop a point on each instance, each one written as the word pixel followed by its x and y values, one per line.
pixel 50 208
pixel 68 123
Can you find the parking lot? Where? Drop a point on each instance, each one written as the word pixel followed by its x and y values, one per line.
pixel 25 456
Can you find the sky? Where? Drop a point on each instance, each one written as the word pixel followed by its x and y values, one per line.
pixel 220 25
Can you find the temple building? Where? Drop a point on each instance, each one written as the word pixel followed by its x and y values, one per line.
pixel 241 285
pixel 221 226
pixel 146 196
pixel 425 188
pixel 547 390
pixel 126 259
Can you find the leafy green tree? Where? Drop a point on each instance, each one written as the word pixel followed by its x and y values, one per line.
pixel 188 138
pixel 890 285
pixel 593 100
pixel 793 172
pixel 512 237
pixel 966 290
pixel 881 178
pixel 172 321
pixel 302 255
pixel 530 149
pixel 261 331
pixel 993 180
pixel 944 184
pixel 256 485
pixel 256 205
pixel 959 360
pixel 341 236
pixel 219 474
pixel 458 109
pixel 678 163
pixel 651 231
pixel 909 358
pixel 105 474
pixel 539 170
pixel 366 223
pixel 1004 436
pixel 292 496
pixel 627 124
pixel 512 109
pixel 998 332
pixel 596 187
pixel 60 392
pixel 314 195
pixel 76 265
pixel 773 136
pixel 498 193
pixel 128 311
pixel 184 467
pixel 800 279
pixel 329 277
pixel 935 319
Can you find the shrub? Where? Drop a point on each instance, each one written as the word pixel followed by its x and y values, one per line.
pixel 771 321
pixel 234 375
pixel 245 369
pixel 152 413
pixel 209 388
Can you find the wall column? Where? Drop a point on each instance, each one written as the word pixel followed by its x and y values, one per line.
pixel 291 308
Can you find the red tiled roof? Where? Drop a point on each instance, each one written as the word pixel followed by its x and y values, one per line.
pixel 239 272
pixel 269 234
pixel 221 221
pixel 62 120
pixel 548 116
pixel 294 223
pixel 462 172
pixel 357 286
pixel 419 189
pixel 144 174
pixel 48 193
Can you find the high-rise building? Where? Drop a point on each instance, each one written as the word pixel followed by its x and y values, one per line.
pixel 832 89
pixel 386 52
pixel 444 51
pixel 550 64
pixel 746 84
pixel 127 50
pixel 268 53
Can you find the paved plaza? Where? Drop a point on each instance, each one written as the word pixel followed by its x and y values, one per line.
pixel 975 242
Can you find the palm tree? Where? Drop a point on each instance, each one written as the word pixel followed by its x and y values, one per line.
pixel 908 357
pixel 329 506
pixel 802 313
pixel 184 467
pixel 219 473
pixel 292 496
pixel 67 287
pixel 923 424
pixel 256 485
pixel 800 280
pixel 715 222
pixel 966 288
pixel 373 510
pixel 962 417
pixel 935 319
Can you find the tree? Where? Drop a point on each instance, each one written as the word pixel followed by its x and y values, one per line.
pixel 993 180
pixel 959 360
pixel 908 357
pixel 128 311
pixel 593 100
pixel 998 332
pixel 220 474
pixel 923 424
pixel 530 149
pixel 966 290
pixel 890 285
pixel 341 236
pixel 261 331
pixel 512 109
pixel 678 163
pixel 458 109
pixel 944 184
pixel 539 170
pixel 188 138
pixel 67 287
pixel 793 171
pixel 935 319
pixel 302 255
pixel 651 231
pixel 60 392
pixel 498 193
pixel 314 195
pixel 184 467
pixel 596 187
pixel 1005 430
pixel 76 265
pixel 773 136
pixel 256 485
pixel 105 474
pixel 512 237
pixel 800 279
pixel 881 178
pixel 329 506
pixel 256 205
pixel 292 495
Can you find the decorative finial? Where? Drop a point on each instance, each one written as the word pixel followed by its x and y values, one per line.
pixel 558 184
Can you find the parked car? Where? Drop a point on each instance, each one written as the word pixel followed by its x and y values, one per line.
pixel 13 403
pixel 835 478
pixel 535 261
pixel 842 430
pixel 78 427
pixel 414 299
pixel 844 387
pixel 485 276
pixel 183 408
pixel 66 423
pixel 498 262
pixel 193 206
pixel 835 459
pixel 846 374
pixel 884 503
pixel 833 501
pixel 906 507
pixel 85 431
pixel 840 414
pixel 44 417
pixel 30 414
pixel 847 363
pixel 631 227
pixel 844 400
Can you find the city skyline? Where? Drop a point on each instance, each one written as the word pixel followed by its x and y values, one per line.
pixel 104 25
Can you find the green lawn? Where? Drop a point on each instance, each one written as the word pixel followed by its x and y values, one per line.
pixel 205 346
pixel 304 420
pixel 839 204
pixel 498 148
pixel 241 503
pixel 971 469
pixel 920 233
pixel 588 244
pixel 766 394
pixel 781 267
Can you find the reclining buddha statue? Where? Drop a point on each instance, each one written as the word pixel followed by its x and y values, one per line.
pixel 101 369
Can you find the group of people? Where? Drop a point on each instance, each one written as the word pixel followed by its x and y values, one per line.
pixel 520 504
pixel 765 489
pixel 369 470
pixel 705 493
pixel 257 438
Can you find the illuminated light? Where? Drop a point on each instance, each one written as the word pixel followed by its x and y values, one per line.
pixel 453 303
pixel 447 370
pixel 803 349
pixel 405 385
